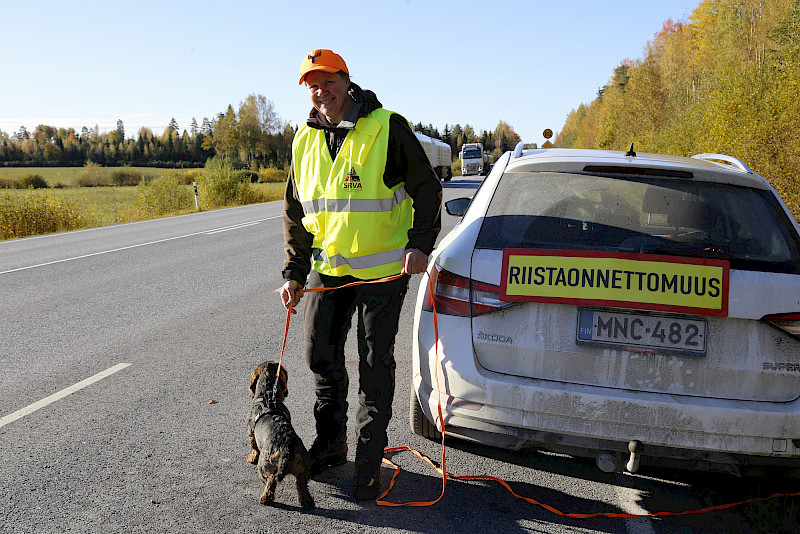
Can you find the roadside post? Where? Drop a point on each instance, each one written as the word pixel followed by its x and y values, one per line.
pixel 196 200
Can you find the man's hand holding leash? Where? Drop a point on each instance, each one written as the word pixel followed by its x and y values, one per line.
pixel 415 261
pixel 291 293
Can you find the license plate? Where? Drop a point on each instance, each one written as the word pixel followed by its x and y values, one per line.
pixel 642 332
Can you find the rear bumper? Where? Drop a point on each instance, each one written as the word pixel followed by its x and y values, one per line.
pixel 510 437
pixel 514 412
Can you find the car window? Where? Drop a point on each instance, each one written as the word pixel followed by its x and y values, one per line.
pixel 641 215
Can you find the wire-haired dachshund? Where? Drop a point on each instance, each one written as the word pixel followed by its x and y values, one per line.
pixel 277 449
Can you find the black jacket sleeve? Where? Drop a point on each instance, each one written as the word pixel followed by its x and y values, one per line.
pixel 407 162
pixel 297 240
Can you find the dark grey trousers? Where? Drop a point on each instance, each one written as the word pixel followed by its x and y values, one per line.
pixel 328 317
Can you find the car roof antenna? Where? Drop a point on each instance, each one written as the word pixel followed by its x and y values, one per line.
pixel 630 152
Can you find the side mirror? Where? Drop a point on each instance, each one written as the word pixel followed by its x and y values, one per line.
pixel 457 206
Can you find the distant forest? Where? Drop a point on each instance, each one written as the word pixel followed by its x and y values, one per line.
pixel 251 137
pixel 726 81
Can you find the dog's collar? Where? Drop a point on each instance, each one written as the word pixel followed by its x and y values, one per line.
pixel 271 407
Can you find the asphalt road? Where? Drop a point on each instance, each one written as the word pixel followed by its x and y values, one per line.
pixel 126 353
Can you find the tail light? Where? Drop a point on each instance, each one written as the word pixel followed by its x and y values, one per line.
pixel 458 295
pixel 788 322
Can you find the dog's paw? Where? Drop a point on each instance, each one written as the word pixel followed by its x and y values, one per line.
pixel 253 458
pixel 307 502
pixel 268 497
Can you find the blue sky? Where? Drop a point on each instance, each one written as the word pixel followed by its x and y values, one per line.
pixel 87 63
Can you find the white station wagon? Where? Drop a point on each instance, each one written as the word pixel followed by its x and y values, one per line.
pixel 640 309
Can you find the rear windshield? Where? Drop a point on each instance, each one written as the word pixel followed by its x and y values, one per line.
pixel 548 210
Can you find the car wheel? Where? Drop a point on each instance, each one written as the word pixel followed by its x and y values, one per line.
pixel 419 423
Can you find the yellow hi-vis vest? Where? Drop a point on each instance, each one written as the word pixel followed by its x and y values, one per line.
pixel 360 226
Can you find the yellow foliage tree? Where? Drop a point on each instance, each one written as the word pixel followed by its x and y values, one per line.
pixel 727 81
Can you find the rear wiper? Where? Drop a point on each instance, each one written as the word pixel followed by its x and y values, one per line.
pixel 688 252
pixel 658 245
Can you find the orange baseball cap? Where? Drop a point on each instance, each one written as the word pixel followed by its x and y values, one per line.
pixel 324 60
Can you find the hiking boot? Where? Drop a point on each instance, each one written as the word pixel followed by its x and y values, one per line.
pixel 367 486
pixel 325 454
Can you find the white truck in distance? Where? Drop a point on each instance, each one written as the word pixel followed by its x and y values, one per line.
pixel 474 160
pixel 439 154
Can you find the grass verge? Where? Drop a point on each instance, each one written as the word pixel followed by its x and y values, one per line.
pixel 58 177
pixel 32 212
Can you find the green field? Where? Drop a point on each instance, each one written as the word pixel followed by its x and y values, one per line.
pixel 25 212
pixel 68 176
pixel 103 205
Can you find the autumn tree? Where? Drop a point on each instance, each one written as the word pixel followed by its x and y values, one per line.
pixel 225 140
pixel 22 134
pixel 505 137
pixel 727 81
pixel 257 123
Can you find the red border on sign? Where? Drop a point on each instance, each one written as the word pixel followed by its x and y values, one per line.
pixel 724 264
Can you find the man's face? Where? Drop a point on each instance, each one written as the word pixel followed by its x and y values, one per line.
pixel 328 92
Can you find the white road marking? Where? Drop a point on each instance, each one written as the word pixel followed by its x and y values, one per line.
pixel 207 232
pixel 234 227
pixel 628 498
pixel 19 414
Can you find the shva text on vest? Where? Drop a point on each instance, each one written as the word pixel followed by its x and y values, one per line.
pixel 352 181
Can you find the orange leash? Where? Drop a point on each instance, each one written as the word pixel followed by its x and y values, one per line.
pixel 443 469
pixel 314 290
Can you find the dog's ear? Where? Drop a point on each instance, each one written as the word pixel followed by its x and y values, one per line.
pixel 254 380
pixel 284 381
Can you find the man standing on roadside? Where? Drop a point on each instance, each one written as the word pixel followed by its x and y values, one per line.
pixel 362 202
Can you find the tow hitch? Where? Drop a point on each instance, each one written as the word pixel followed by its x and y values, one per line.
pixel 609 462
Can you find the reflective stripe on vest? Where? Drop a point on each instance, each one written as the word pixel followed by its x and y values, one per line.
pixel 363 205
pixel 360 226
pixel 361 262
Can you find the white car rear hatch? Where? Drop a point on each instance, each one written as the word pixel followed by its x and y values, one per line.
pixel 572 336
